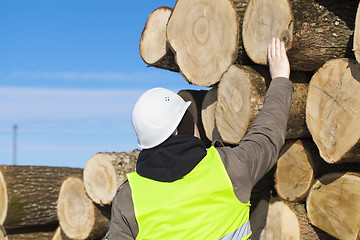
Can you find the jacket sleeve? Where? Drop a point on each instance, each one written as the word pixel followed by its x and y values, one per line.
pixel 258 151
pixel 122 224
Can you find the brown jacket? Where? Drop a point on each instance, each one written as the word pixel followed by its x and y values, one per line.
pixel 246 163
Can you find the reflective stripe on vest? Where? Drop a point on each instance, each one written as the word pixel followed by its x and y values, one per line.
pixel 200 205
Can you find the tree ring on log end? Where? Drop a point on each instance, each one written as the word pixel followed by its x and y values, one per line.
pixel 100 178
pixel 3 199
pixel 204 38
pixel 333 110
pixel 274 221
pixel 238 101
pixel 75 210
pixel 294 173
pixel 153 42
pixel 333 204
pixel 264 20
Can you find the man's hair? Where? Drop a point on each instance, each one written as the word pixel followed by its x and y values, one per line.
pixel 186 126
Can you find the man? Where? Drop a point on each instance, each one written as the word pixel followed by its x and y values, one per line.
pixel 180 190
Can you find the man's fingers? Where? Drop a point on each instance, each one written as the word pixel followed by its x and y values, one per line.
pixel 269 51
pixel 277 47
pixel 283 50
pixel 273 47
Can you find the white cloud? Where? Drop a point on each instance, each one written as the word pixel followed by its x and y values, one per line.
pixel 64 104
pixel 155 75
pixel 73 75
pixel 63 127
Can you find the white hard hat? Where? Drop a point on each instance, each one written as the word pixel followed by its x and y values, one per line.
pixel 156 115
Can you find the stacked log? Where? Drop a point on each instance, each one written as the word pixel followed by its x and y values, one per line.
pixel 29 194
pixel 240 96
pixel 196 97
pixel 313 191
pixel 105 172
pixel 41 202
pixel 333 204
pixel 28 198
pixel 314 31
pixel 84 204
pixel 208 108
pixel 204 36
pixel 154 47
pixel 222 45
pixel 78 216
pixel 278 219
pixel 332 113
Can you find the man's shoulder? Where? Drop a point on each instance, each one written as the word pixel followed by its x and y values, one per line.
pixel 123 193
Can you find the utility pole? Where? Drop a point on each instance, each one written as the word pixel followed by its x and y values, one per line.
pixel 14 144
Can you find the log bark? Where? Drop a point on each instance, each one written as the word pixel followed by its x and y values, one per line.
pixel 333 205
pixel 79 217
pixel 30 236
pixel 356 44
pixel 241 94
pixel 282 220
pixel 332 112
pixel 208 115
pixel 28 194
pixel 59 235
pixel 154 47
pixel 32 233
pixel 315 31
pixel 105 172
pixel 196 97
pixel 205 37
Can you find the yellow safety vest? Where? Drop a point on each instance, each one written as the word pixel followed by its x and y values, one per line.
pixel 200 205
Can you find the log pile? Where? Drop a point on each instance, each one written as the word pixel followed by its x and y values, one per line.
pixel 314 190
pixel 221 45
pixel 40 202
pixel 28 199
pixel 84 203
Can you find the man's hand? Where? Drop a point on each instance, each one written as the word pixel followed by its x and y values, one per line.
pixel 277 59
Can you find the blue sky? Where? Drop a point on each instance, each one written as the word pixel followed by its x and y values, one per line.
pixel 70 73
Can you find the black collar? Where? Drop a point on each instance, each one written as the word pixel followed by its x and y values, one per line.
pixel 172 159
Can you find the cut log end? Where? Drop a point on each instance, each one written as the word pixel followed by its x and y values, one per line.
pixel 208 115
pixel 101 179
pixel 196 97
pixel 203 35
pixel 240 97
pixel 294 173
pixel 274 221
pixel 333 205
pixel 264 20
pixel 332 110
pixel 154 48
pixel 153 40
pixel 75 210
